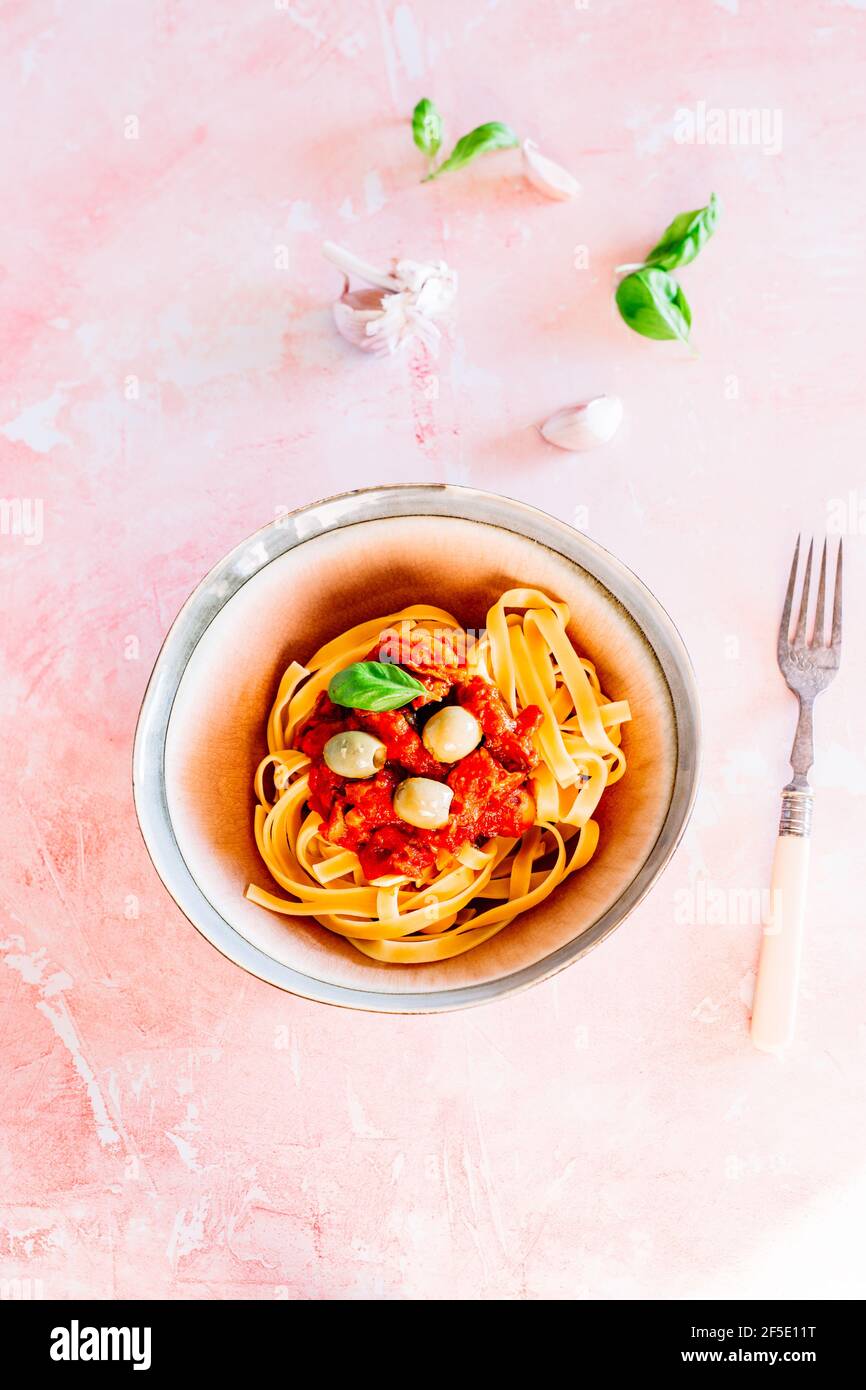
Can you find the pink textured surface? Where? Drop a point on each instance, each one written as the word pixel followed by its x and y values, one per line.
pixel 172 1127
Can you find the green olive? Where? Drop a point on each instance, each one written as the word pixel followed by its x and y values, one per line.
pixel 451 733
pixel 421 801
pixel 355 754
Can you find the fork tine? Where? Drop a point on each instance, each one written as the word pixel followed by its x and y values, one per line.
pixel 800 629
pixel 820 602
pixel 785 625
pixel 836 633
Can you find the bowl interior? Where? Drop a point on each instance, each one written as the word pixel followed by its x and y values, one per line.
pixel 322 586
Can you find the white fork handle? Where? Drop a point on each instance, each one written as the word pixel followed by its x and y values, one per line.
pixel 775 1008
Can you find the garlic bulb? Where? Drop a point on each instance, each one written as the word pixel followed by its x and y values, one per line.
pixel 402 306
pixel 549 178
pixel 585 426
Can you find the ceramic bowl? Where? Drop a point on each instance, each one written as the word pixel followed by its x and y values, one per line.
pixel 312 574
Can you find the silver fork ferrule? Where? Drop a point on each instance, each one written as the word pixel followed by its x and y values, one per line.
pixel 796 817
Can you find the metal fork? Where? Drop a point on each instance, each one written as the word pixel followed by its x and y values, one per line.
pixel 808 668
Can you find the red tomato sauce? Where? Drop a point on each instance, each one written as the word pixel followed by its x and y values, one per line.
pixel 489 785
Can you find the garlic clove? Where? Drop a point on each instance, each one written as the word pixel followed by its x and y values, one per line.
pixel 357 315
pixel 581 427
pixel 547 176
pixel 350 264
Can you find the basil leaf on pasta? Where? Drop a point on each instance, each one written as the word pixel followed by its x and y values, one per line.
pixel 373 685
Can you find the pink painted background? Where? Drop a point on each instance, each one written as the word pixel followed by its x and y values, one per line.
pixel 174 1128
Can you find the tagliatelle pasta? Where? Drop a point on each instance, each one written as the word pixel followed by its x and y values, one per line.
pixel 470 890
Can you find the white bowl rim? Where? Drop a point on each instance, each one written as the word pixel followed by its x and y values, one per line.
pixel 348 509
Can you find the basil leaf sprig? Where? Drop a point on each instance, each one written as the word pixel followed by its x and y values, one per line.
pixel 653 304
pixel 649 299
pixel 427 128
pixel 482 140
pixel 373 685
pixel 427 131
pixel 685 237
